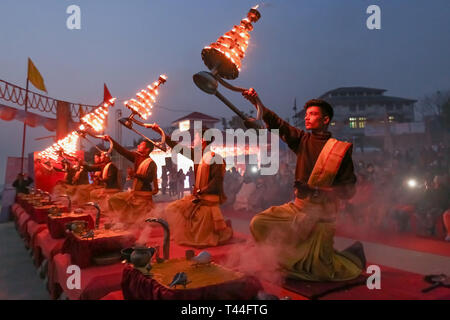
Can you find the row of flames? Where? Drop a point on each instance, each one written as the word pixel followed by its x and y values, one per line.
pixel 232 45
pixel 95 120
pixel 69 144
pixel 143 104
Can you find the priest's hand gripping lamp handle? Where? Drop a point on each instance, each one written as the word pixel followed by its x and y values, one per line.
pixel 208 82
pixel 99 136
pixel 128 123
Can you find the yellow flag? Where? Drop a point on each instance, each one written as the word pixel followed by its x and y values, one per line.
pixel 35 77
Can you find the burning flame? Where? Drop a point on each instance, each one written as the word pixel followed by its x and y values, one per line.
pixel 96 118
pixel 68 144
pixel 234 43
pixel 143 104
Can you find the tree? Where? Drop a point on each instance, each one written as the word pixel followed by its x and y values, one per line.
pixel 437 104
pixel 434 104
pixel 236 122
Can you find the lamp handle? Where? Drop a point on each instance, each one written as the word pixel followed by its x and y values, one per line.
pixel 110 149
pixel 229 86
pixel 150 125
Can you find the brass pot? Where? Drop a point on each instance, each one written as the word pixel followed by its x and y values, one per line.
pixel 141 256
pixel 77 226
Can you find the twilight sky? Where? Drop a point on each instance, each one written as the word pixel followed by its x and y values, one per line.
pixel 299 48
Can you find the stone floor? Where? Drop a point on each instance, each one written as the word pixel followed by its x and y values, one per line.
pixel 18 276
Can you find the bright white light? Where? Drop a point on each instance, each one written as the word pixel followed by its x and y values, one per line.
pixel 184 125
pixel 412 183
pixel 254 169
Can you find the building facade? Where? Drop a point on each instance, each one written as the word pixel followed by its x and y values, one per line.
pixel 370 119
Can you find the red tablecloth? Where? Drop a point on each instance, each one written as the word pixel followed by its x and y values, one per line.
pixel 136 286
pixel 17 211
pixel 33 229
pixel 115 295
pixel 22 224
pixel 82 250
pixel 57 224
pixel 40 214
pixel 45 247
pixel 96 282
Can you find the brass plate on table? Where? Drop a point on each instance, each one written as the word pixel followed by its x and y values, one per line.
pixel 102 233
pixel 198 276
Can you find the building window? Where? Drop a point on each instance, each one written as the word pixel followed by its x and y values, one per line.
pixel 361 107
pixel 352 108
pixel 352 122
pixel 184 125
pixel 362 122
pixel 391 118
pixel 398 107
pixel 389 107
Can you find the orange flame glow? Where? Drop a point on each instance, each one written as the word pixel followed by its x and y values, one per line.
pixel 68 144
pixel 145 98
pixel 234 43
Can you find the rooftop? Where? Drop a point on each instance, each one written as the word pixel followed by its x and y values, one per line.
pixel 362 95
pixel 353 90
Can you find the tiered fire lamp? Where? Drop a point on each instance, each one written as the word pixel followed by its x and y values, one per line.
pixel 68 145
pixel 223 58
pixel 142 106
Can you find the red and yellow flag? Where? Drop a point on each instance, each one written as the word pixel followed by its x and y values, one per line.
pixel 35 77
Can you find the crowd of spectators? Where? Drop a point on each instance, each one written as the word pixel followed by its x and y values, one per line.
pixel 173 182
pixel 406 191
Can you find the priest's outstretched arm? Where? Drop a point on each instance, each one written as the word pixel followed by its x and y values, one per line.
pixel 289 134
pixel 129 155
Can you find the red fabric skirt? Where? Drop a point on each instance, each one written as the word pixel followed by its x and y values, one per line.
pixel 136 286
pixel 96 282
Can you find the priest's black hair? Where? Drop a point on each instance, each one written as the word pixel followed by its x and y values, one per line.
pixel 326 108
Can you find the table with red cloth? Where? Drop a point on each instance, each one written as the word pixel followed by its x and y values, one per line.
pixel 57 224
pixel 45 247
pixel 138 286
pixel 18 211
pixel 33 229
pixel 22 224
pixel 96 281
pixel 40 213
pixel 83 250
